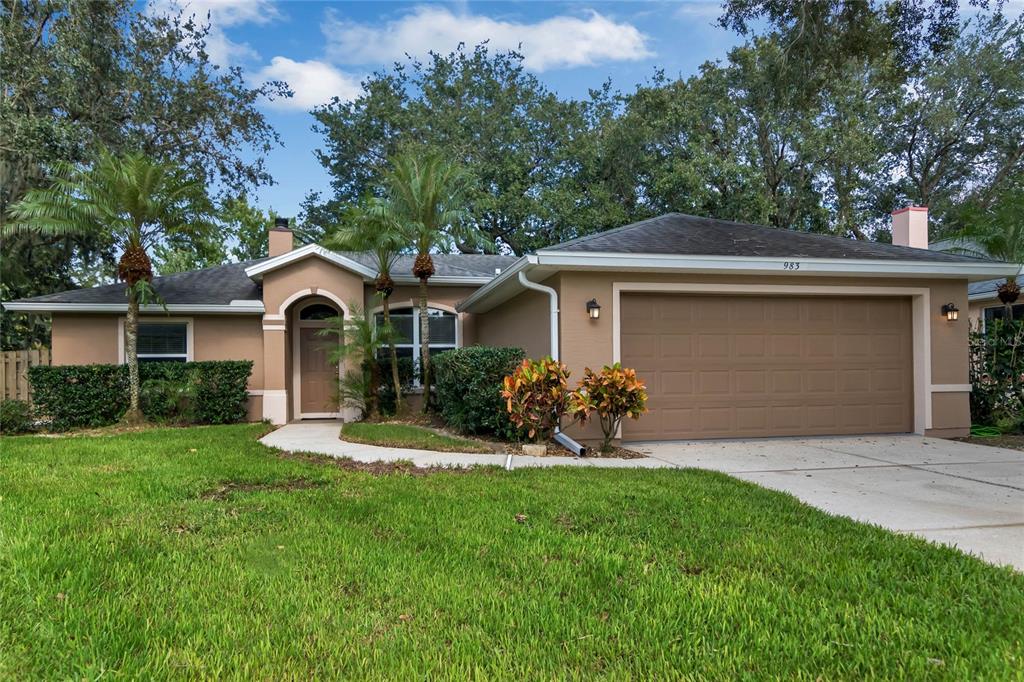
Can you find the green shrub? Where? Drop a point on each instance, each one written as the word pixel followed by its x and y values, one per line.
pixel 468 382
pixel 15 417
pixel 997 375
pixel 73 396
pixel 171 400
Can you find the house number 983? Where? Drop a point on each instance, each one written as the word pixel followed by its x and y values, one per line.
pixel 791 265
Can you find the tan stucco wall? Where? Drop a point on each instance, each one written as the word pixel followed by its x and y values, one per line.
pixel 92 339
pixel 523 321
pixel 84 339
pixel 315 273
pixel 588 343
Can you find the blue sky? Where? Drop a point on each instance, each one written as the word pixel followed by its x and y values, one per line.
pixel 323 49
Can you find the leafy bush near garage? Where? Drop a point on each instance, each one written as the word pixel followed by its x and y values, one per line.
pixel 15 417
pixel 75 396
pixel 997 375
pixel 469 384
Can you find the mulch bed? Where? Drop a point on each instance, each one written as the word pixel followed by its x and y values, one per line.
pixel 1007 440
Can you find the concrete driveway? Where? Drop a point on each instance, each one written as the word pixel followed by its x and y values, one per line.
pixel 968 496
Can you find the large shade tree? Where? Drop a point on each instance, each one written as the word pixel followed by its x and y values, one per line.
pixel 425 193
pixel 126 76
pixel 133 201
pixel 373 227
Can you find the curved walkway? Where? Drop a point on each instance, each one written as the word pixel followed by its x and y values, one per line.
pixel 959 494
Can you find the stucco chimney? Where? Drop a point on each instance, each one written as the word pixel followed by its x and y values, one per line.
pixel 280 238
pixel 910 227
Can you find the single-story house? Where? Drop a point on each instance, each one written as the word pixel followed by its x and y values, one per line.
pixel 738 330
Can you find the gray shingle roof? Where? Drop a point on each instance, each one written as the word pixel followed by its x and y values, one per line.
pixel 989 286
pixel 445 264
pixel 210 286
pixel 225 283
pixel 680 234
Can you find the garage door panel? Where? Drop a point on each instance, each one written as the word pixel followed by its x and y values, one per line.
pixel 761 366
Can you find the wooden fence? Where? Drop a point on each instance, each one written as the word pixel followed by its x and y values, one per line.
pixel 14 366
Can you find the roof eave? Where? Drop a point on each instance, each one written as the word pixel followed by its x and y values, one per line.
pixel 484 298
pixel 237 307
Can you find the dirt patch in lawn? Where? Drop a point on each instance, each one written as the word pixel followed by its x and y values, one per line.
pixel 227 488
pixel 399 468
pixel 1007 440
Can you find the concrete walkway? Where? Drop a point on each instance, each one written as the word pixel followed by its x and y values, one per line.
pixel 966 496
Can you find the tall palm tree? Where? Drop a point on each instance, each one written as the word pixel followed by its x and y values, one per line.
pixel 426 193
pixel 372 227
pixel 134 201
pixel 997 232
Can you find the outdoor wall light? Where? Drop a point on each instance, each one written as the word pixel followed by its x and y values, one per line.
pixel 593 309
pixel 951 312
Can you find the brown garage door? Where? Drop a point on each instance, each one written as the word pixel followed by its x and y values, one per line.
pixel 728 367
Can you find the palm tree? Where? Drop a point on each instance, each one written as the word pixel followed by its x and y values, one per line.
pixel 372 227
pixel 134 201
pixel 425 192
pixel 359 341
pixel 997 232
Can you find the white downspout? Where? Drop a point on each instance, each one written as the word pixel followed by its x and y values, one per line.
pixel 553 298
pixel 560 437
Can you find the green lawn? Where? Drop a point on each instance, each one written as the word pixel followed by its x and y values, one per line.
pixel 199 553
pixel 407 436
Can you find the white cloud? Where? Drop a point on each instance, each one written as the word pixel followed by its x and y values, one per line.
pixel 558 42
pixel 221 14
pixel 313 82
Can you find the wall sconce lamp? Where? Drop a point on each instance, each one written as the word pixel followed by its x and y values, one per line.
pixel 593 309
pixel 951 312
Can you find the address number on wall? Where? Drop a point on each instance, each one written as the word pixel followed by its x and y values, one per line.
pixel 791 265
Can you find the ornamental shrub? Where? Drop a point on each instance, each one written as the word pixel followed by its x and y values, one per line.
pixel 15 417
pixel 997 374
pixel 469 382
pixel 75 396
pixel 613 394
pixel 536 395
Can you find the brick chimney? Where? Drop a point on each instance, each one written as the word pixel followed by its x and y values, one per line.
pixel 280 238
pixel 910 227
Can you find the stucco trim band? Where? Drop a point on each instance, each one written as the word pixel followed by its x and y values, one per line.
pixel 951 388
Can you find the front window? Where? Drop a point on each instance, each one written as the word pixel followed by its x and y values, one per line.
pixel 999 312
pixel 163 342
pixel 443 328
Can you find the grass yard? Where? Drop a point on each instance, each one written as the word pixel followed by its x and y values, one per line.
pixel 198 553
pixel 407 436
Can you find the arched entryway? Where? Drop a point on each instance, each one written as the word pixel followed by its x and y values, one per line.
pixel 314 374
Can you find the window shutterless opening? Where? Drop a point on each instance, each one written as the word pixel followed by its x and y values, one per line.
pixel 161 340
pixel 444 334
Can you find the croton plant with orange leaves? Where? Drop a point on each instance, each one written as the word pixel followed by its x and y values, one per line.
pixel 613 394
pixel 536 395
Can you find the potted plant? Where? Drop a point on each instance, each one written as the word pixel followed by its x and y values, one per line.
pixel 613 394
pixel 536 396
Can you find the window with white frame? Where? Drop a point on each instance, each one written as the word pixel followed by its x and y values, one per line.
pixel 443 327
pixel 163 342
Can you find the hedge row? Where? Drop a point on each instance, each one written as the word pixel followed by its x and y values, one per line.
pixel 468 382
pixel 73 396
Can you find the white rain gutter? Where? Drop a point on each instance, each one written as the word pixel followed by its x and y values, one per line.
pixel 560 438
pixel 553 299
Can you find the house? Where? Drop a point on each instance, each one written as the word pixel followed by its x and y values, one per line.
pixel 982 297
pixel 739 330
